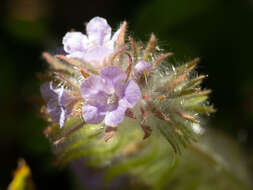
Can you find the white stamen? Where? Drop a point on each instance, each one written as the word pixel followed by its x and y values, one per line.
pixel 112 99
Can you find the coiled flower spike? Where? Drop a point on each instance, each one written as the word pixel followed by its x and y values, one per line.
pixel 107 95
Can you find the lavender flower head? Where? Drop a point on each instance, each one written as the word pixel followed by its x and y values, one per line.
pixel 104 79
pixel 108 95
pixel 94 47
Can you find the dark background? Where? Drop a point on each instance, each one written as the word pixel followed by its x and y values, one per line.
pixel 218 31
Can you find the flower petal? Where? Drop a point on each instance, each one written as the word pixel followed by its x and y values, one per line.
pixel 96 56
pixel 115 117
pixel 93 114
pixel 113 74
pixel 57 112
pixel 116 35
pixel 110 44
pixel 92 86
pixel 53 110
pixel 60 103
pixel 63 117
pixel 74 42
pixel 132 94
pixel 47 91
pixel 98 100
pixel 142 66
pixel 66 101
pixel 76 55
pixel 98 30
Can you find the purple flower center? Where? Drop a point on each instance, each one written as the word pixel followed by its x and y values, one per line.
pixel 112 99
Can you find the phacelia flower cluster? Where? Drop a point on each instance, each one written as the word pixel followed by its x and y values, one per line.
pixel 104 78
pixel 93 48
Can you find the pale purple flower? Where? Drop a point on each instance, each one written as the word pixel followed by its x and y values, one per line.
pixel 75 44
pixel 141 67
pixel 59 102
pixel 107 96
pixel 94 47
